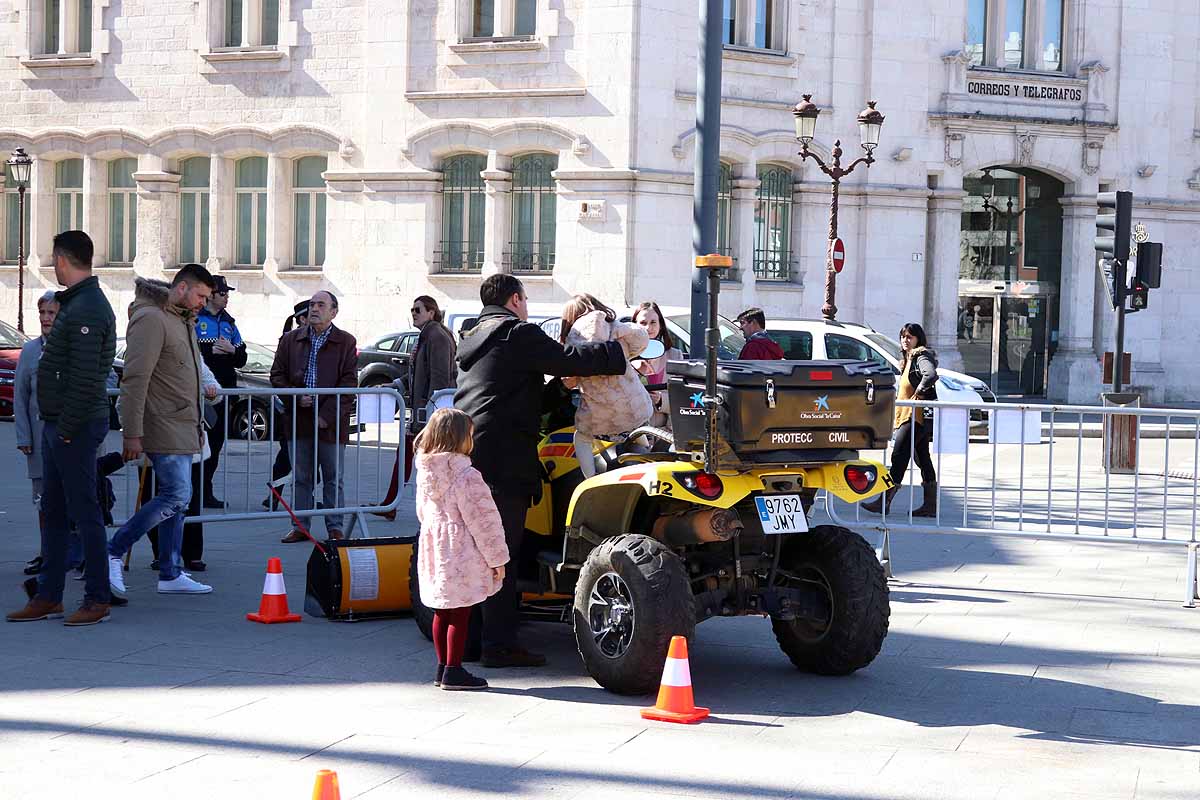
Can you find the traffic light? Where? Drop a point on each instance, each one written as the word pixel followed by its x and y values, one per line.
pixel 1139 296
pixel 1114 220
pixel 1149 264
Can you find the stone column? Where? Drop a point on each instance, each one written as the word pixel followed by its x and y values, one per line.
pixel 157 217
pixel 220 213
pixel 504 23
pixel 95 211
pixel 279 215
pixel 497 183
pixel 745 189
pixel 942 257
pixel 39 205
pixel 1075 368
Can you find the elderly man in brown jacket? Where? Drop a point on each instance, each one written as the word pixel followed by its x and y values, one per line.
pixel 317 356
pixel 161 417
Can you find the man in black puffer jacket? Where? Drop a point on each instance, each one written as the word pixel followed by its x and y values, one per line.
pixel 72 382
pixel 501 364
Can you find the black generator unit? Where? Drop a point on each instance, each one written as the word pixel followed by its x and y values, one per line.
pixel 786 411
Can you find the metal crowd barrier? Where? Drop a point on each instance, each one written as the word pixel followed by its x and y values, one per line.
pixel 256 429
pixel 1045 472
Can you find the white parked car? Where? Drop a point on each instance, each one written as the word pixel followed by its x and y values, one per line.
pixel 822 339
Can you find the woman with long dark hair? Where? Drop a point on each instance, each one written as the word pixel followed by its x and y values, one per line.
pixel 913 431
pixel 654 370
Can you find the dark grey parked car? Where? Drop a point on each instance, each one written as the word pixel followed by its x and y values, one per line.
pixel 250 416
pixel 386 359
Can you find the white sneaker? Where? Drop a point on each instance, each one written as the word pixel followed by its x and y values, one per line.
pixel 183 585
pixel 116 576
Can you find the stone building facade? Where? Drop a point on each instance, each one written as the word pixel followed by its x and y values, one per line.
pixel 388 148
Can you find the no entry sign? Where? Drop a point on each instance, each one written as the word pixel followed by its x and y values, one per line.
pixel 837 254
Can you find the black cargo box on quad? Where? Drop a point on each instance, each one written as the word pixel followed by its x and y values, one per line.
pixel 772 409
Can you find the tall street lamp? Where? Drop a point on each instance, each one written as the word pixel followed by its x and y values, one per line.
pixel 20 165
pixel 1009 216
pixel 870 122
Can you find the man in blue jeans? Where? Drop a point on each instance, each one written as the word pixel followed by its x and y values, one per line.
pixel 161 417
pixel 71 378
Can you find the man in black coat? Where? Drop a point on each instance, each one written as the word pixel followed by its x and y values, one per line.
pixel 501 364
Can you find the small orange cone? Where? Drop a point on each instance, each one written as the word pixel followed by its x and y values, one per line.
pixel 274 607
pixel 675 703
pixel 326 787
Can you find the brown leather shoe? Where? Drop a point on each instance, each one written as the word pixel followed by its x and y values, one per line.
pixel 90 613
pixel 295 537
pixel 37 609
pixel 336 534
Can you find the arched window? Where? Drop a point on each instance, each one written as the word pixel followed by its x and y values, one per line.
pixel 308 201
pixel 193 210
pixel 773 224
pixel 250 186
pixel 68 193
pixel 463 201
pixel 12 215
pixel 122 211
pixel 531 245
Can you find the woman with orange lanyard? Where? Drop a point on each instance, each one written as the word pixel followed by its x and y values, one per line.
pixel 913 431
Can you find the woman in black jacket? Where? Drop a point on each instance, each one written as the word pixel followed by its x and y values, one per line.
pixel 913 429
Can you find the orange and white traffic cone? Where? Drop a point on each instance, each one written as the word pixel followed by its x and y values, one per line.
pixel 675 703
pixel 326 787
pixel 273 607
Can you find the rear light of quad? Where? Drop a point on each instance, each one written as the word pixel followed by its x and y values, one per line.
pixel 820 375
pixel 860 479
pixel 701 484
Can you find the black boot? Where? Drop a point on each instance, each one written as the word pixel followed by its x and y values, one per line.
pixel 456 679
pixel 441 671
pixel 876 505
pixel 928 500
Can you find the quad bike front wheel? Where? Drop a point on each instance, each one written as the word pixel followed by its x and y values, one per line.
pixel 632 596
pixel 842 565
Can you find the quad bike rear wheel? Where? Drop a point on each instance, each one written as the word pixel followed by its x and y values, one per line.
pixel 632 596
pixel 843 565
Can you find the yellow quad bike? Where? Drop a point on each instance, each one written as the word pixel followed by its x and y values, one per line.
pixel 717 525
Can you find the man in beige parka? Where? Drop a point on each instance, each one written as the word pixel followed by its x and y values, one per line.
pixel 161 417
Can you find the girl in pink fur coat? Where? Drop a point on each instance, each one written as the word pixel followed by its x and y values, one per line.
pixel 462 552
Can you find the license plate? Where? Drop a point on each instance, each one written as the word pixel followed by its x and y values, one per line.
pixel 781 513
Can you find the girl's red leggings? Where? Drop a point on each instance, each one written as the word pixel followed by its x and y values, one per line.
pixel 450 634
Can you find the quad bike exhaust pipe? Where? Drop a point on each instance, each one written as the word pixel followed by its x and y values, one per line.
pixel 697 526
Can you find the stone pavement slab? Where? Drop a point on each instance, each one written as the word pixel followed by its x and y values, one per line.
pixel 1013 669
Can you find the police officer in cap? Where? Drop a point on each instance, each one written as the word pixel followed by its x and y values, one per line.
pixel 224 352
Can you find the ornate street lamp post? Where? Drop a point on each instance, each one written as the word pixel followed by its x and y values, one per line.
pixel 20 165
pixel 870 122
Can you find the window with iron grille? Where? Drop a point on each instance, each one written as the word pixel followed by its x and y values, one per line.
pixel 531 244
pixel 463 202
pixel 772 224
pixel 725 244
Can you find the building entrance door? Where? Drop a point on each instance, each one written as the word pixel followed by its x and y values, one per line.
pixel 1004 334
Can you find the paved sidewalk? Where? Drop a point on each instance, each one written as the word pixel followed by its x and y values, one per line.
pixel 1014 669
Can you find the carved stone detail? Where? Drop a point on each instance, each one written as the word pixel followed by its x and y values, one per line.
pixel 1091 156
pixel 1025 142
pixel 956 63
pixel 954 147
